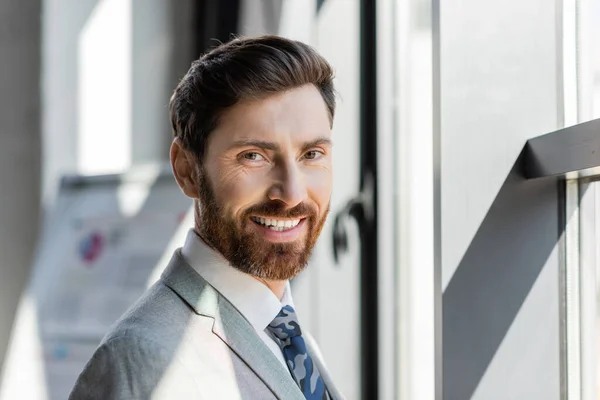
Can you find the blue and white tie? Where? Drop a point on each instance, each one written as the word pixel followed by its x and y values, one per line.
pixel 286 328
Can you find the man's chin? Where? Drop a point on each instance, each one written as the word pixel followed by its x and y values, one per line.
pixel 278 274
pixel 279 261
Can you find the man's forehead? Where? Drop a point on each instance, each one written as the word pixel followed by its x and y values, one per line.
pixel 292 127
pixel 303 105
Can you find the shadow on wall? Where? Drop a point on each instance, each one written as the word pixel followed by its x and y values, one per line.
pixel 509 251
pixel 20 153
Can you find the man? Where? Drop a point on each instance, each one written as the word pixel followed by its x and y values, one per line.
pixel 252 147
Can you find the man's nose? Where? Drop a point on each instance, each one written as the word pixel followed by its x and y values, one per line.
pixel 290 187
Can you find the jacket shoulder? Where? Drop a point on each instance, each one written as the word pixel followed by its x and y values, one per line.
pixel 139 353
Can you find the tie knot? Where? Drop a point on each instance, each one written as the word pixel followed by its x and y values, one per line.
pixel 285 324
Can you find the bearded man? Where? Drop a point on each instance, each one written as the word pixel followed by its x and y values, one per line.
pixel 252 147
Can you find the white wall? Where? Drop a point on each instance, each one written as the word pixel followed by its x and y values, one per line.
pixel 500 85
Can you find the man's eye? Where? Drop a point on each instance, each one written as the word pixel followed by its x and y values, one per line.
pixel 313 154
pixel 253 156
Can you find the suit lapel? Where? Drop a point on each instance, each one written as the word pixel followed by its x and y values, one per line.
pixel 231 327
pixel 241 337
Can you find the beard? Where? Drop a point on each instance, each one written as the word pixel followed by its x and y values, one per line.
pixel 247 251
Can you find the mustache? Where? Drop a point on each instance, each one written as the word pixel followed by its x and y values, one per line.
pixel 278 209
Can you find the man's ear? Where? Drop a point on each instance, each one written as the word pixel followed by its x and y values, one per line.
pixel 183 164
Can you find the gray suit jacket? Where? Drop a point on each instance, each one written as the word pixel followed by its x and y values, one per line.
pixel 184 340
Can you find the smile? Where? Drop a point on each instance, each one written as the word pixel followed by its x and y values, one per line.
pixel 279 225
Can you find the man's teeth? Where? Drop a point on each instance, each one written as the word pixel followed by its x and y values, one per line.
pixel 277 224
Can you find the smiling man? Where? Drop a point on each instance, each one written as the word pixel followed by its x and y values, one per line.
pixel 252 147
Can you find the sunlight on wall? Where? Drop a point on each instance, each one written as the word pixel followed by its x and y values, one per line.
pixel 24 376
pixel 177 241
pixel 105 89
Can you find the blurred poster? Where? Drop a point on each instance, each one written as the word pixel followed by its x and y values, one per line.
pixel 106 265
pixel 100 246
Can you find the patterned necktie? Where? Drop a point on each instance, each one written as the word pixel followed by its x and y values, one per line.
pixel 286 328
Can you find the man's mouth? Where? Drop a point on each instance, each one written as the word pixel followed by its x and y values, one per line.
pixel 279 225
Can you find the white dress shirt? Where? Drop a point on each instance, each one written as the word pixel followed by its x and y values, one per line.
pixel 255 301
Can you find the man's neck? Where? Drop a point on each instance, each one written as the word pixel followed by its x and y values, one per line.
pixel 277 287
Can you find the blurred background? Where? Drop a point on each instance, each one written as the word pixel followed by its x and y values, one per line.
pixel 451 275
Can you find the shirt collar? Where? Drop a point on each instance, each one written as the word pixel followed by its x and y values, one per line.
pixel 255 301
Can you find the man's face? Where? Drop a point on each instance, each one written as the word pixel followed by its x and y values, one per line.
pixel 266 183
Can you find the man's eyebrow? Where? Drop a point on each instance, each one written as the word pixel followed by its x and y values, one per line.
pixel 261 144
pixel 322 141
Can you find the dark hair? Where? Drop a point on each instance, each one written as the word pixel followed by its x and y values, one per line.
pixel 244 68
